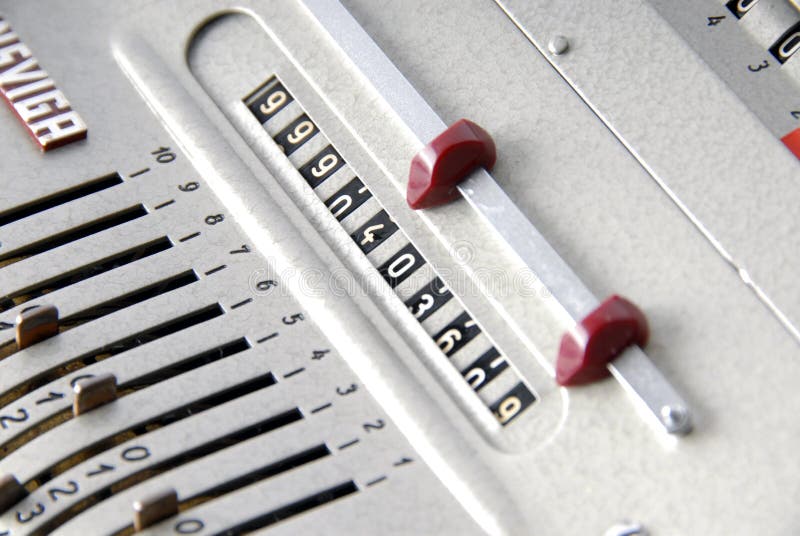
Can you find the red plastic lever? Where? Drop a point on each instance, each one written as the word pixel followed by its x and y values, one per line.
pixel 446 161
pixel 792 141
pixel 587 349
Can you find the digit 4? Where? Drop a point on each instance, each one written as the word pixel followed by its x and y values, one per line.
pixel 319 354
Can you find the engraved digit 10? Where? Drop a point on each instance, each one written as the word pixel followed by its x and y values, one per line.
pixel 164 155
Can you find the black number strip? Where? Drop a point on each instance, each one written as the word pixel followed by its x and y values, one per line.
pixel 308 129
pixel 467 330
pixel 264 105
pixel 484 369
pixel 349 197
pixel 428 300
pixel 374 232
pixel 401 265
pixel 324 164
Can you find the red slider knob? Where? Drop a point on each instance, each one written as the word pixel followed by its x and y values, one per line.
pixel 604 334
pixel 438 168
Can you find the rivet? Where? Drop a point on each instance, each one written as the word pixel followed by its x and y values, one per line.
pixel 558 45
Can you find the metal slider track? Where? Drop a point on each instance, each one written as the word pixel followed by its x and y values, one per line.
pixel 633 370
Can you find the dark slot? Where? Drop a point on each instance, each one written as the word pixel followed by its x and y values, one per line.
pixel 117 347
pixel 293 509
pixel 174 369
pixel 87 272
pixel 216 445
pixel 128 300
pixel 83 231
pixel 262 473
pixel 60 198
pixel 199 360
pixel 178 414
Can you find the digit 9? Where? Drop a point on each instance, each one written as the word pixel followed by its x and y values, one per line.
pixel 325 164
pixel 274 102
pixel 302 131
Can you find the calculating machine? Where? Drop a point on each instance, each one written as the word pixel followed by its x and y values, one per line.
pixel 219 313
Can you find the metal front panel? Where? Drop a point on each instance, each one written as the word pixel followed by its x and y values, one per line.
pixel 268 373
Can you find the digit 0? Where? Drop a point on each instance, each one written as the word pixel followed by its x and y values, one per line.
pixel 401 265
pixel 189 526
pixel 189 187
pixel 340 204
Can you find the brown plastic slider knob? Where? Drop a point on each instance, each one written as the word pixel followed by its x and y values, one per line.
pixel 36 324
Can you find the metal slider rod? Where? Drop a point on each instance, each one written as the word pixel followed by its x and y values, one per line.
pixel 633 369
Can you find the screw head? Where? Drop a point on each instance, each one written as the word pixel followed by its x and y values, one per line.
pixel 558 45
pixel 676 419
pixel 627 528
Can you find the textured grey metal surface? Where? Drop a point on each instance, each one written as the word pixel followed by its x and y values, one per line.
pixel 711 152
pixel 577 462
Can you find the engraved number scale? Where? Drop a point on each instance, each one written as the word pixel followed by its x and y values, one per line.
pixel 212 366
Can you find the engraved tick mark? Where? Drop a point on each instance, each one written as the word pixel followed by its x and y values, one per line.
pixel 189 237
pixel 243 302
pixel 292 373
pixel 322 407
pixel 217 269
pixel 268 337
pixel 164 204
pixel 376 481
pixel 349 444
